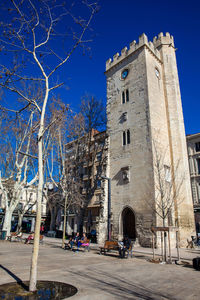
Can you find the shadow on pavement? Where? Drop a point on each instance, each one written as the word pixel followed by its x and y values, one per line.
pixel 118 287
pixel 16 278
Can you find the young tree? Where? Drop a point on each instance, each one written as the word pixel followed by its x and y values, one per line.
pixel 30 35
pixel 167 196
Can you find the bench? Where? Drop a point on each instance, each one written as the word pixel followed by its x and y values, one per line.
pixel 109 245
pixel 14 236
pixel 86 245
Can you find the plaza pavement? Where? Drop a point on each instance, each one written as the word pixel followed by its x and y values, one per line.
pixel 99 277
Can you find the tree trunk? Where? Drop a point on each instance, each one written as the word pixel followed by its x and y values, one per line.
pixel 19 225
pixel 53 219
pixel 33 271
pixel 7 220
pixel 34 261
pixel 165 243
pixel 64 223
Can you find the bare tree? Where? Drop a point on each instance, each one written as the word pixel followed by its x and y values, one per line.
pixel 77 143
pixel 94 153
pixel 94 113
pixel 24 208
pixel 15 169
pixel 167 195
pixel 79 156
pixel 31 37
pixel 68 188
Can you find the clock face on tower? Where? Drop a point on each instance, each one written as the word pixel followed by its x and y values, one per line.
pixel 124 74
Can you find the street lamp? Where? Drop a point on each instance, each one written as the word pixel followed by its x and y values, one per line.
pixel 109 204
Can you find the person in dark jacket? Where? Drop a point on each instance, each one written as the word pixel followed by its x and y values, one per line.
pixel 125 245
pixel 74 240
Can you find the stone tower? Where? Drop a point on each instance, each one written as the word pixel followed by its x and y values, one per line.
pixel 147 141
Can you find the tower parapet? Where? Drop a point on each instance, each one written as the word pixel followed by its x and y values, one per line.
pixel 143 41
pixel 166 39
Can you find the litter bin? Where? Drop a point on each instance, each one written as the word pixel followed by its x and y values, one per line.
pixel 3 234
pixel 196 263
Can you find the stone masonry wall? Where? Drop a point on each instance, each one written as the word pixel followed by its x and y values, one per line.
pixel 154 117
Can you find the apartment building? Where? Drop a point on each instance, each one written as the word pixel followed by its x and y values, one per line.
pixel 193 146
pixel 86 160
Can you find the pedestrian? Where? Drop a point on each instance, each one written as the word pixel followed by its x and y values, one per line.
pixel 42 228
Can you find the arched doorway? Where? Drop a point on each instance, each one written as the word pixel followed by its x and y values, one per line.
pixel 128 221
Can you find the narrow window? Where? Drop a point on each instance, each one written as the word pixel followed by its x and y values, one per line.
pixel 198 165
pixel 123 97
pixel 127 96
pixel 197 146
pixel 167 173
pixel 198 189
pixel 128 137
pixel 124 138
pixel 98 184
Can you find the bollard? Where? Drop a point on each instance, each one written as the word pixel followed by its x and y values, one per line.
pixel 3 234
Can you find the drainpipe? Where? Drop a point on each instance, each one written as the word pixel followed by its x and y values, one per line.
pixel 109 205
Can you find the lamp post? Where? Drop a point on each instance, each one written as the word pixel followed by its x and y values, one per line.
pixel 109 204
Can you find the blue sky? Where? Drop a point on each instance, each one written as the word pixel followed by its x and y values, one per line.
pixel 121 21
pixel 118 23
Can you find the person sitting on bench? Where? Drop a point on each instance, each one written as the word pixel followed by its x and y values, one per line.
pixel 74 240
pixel 124 246
pixel 30 237
pixel 82 241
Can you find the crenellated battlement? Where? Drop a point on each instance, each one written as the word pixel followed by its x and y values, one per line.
pixel 161 39
pixel 143 41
